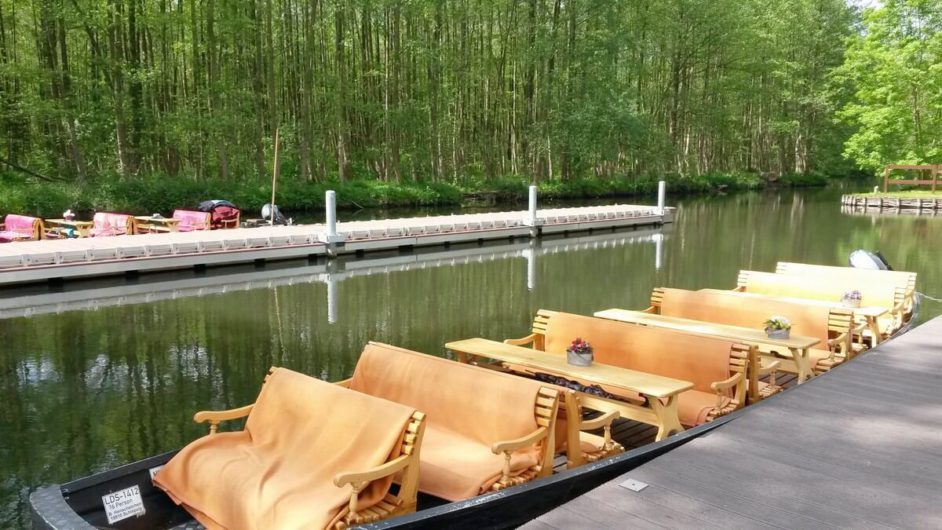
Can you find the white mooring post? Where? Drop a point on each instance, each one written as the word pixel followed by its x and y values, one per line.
pixel 331 200
pixel 532 207
pixel 532 221
pixel 661 193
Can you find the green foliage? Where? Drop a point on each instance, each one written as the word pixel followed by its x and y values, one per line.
pixel 163 195
pixel 574 94
pixel 893 70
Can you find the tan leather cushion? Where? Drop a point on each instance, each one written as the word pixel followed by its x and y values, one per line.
pixel 830 288
pixel 901 279
pixel 455 467
pixel 807 320
pixel 693 406
pixel 460 401
pixel 698 359
pixel 278 472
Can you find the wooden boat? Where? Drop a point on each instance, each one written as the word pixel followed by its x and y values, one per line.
pixel 79 504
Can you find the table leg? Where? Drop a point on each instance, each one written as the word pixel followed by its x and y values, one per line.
pixel 802 362
pixel 874 330
pixel 461 356
pixel 668 420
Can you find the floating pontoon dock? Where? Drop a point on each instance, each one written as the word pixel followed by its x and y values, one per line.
pixel 857 448
pixel 33 261
pixel 106 292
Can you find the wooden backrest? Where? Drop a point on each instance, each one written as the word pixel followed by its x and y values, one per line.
pixel 830 289
pixel 699 359
pixel 738 309
pixel 31 227
pixel 904 279
pixel 478 403
pixel 194 219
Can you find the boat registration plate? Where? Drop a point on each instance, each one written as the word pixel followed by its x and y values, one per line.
pixel 119 505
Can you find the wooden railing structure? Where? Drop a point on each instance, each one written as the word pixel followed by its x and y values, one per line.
pixel 934 171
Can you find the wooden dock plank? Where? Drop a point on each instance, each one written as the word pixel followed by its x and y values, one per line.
pixel 858 447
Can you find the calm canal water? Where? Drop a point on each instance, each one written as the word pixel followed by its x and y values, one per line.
pixel 86 390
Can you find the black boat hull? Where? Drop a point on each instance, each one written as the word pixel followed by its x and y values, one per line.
pixel 78 504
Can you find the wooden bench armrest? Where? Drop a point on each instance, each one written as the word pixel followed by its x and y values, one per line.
pixel 737 381
pixel 841 340
pixel 359 479
pixel 3 226
pixel 524 341
pixel 768 370
pixel 605 420
pixel 720 386
pixel 216 416
pixel 509 446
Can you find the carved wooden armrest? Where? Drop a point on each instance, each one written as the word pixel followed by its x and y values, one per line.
pixel 768 370
pixel 361 479
pixel 604 422
pixel 720 386
pixel 524 341
pixel 652 310
pixel 3 226
pixel 216 416
pixel 740 289
pixel 509 446
pixel 841 340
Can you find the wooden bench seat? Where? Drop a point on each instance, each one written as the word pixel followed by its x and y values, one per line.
pixel 716 367
pixel 486 430
pixel 112 224
pixel 831 289
pixel 191 220
pixel 304 442
pixel 903 279
pixel 831 325
pixel 20 228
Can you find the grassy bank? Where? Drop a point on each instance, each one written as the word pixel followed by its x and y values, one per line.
pixel 149 195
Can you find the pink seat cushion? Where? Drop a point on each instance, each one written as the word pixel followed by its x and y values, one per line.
pixel 109 224
pixel 191 220
pixel 18 227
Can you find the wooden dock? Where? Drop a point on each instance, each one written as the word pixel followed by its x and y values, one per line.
pixel 33 261
pixel 860 447
pixel 862 203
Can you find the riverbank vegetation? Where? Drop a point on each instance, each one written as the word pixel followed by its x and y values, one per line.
pixel 149 195
pixel 150 104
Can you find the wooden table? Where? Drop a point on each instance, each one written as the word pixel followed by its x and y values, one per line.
pixel 870 314
pixel 80 227
pixel 659 393
pixel 798 347
pixel 147 223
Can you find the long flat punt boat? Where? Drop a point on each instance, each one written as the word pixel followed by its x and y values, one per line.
pixel 503 433
pixel 78 504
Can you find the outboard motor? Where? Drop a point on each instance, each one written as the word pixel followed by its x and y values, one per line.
pixel 863 259
pixel 268 211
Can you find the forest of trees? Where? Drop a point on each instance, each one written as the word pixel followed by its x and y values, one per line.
pixel 448 90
